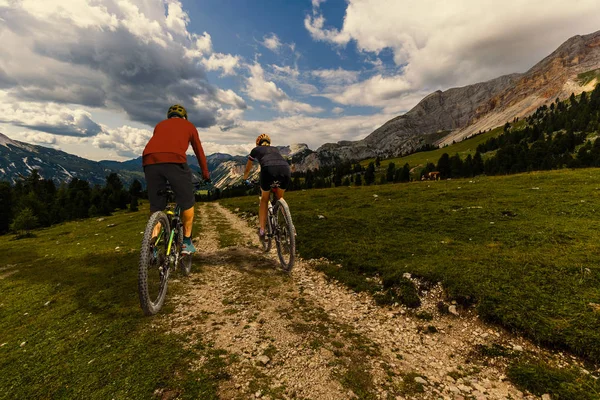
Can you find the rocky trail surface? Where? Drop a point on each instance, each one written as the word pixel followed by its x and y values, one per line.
pixel 300 336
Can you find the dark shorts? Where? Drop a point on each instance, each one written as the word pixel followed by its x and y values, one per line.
pixel 275 176
pixel 180 178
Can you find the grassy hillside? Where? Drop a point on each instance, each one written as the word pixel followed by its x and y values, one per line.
pixel 525 249
pixel 463 148
pixel 71 325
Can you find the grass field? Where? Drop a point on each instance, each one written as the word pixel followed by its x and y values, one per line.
pixel 525 249
pixel 71 324
pixel 463 148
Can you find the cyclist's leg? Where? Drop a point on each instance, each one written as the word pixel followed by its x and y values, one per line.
pixel 265 187
pixel 180 178
pixel 187 218
pixel 284 178
pixel 279 193
pixel 155 182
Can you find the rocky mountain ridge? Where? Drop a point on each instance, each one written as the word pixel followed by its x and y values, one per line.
pixel 457 113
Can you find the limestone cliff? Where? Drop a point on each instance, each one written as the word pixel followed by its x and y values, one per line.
pixel 454 114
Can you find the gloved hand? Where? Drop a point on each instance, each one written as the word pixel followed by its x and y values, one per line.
pixel 248 182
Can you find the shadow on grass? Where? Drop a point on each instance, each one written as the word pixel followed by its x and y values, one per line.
pixel 104 283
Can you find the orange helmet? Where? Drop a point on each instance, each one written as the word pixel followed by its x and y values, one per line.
pixel 263 138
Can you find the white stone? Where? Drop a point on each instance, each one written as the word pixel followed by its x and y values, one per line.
pixel 464 388
pixel 263 359
pixel 420 380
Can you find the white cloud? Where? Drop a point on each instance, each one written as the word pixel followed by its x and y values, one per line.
pixel 202 45
pixel 126 141
pixel 459 42
pixel 260 89
pixel 376 91
pixel 231 98
pixel 272 42
pixel 50 118
pixel 286 70
pixel 39 138
pixel 337 110
pixel 296 107
pixel 225 62
pixel 115 54
pixel 233 149
pixel 292 78
pixel 336 76
pixel 313 131
pixel 177 19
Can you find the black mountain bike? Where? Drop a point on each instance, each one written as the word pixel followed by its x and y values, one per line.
pixel 281 228
pixel 161 255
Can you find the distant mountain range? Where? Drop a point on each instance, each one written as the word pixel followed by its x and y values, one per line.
pixel 440 118
pixel 18 159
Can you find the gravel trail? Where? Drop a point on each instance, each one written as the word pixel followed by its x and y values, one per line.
pixel 300 336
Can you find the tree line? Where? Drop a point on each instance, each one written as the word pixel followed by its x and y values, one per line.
pixel 36 202
pixel 554 137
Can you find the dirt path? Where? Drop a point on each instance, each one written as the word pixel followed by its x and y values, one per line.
pixel 303 337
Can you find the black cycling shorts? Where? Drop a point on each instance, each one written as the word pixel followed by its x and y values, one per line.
pixel 180 178
pixel 275 176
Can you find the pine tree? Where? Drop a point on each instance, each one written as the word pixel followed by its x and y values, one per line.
pixel 135 189
pixel 443 166
pixel 133 205
pixel 24 222
pixel 391 171
pixel 6 199
pixel 405 174
pixel 358 180
pixel 477 164
pixel 370 174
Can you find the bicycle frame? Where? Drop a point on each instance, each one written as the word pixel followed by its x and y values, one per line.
pixel 174 217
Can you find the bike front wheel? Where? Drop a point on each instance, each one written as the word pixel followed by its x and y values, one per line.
pixel 153 271
pixel 285 235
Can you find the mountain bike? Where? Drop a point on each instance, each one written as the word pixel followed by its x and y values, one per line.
pixel 281 228
pixel 161 254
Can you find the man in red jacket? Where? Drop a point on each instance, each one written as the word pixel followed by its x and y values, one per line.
pixel 164 160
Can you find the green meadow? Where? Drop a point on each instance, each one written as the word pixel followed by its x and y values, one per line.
pixel 523 249
pixel 71 325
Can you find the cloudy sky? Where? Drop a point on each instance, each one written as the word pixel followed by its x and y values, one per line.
pixel 93 77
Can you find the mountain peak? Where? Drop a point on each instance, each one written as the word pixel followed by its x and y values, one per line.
pixel 5 141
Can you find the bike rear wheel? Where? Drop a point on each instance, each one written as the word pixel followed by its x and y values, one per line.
pixel 153 271
pixel 285 235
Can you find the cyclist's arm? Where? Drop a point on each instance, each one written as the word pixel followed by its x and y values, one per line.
pixel 199 151
pixel 248 169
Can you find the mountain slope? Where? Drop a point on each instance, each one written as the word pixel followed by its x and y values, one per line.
pixel 451 115
pixel 19 159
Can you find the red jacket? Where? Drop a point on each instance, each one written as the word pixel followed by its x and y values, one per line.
pixel 170 141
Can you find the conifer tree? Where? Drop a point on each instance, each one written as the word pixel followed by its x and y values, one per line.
pixel 391 171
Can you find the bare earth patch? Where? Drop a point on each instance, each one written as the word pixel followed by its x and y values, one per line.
pixel 302 336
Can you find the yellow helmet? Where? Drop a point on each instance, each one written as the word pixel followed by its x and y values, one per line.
pixel 263 138
pixel 177 110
